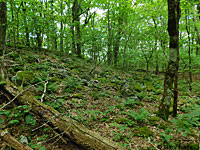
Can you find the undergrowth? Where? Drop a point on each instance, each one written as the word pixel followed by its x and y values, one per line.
pixel 121 106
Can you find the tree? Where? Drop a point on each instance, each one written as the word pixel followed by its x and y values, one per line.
pixel 23 3
pixel 61 27
pixel 198 32
pixel 116 45
pixel 173 30
pixel 3 25
pixel 76 23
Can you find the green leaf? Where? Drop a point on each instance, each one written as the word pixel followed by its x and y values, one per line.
pixel 13 122
pixel 42 148
pixel 30 119
pixel 184 134
pixel 2 120
pixel 2 82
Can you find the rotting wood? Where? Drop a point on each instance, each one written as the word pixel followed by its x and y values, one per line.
pixel 11 141
pixel 71 129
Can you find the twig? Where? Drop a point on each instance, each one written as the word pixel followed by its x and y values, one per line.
pixel 60 137
pixel 46 123
pixel 152 143
pixel 20 94
pixel 6 54
pixel 98 64
pixel 45 89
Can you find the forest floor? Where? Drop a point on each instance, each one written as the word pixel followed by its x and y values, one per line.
pixel 121 105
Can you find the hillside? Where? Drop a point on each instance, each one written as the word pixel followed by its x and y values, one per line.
pixel 118 105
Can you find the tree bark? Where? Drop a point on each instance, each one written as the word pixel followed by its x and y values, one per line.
pixel 189 50
pixel 117 40
pixel 11 141
pixel 76 21
pixel 173 30
pixel 109 55
pixel 72 131
pixel 198 33
pixel 3 26
pixel 25 23
pixel 61 28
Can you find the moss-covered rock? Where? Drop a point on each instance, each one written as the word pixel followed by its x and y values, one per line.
pixel 23 76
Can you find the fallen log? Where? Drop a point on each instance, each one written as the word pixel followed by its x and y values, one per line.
pixel 11 141
pixel 71 130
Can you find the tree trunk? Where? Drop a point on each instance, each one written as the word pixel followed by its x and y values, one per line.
pixel 117 40
pixel 198 33
pixel 25 23
pixel 94 40
pixel 71 130
pixel 55 42
pixel 11 141
pixel 76 24
pixel 13 20
pixel 73 39
pixel 3 26
pixel 109 55
pixel 39 40
pixel 189 50
pixel 173 30
pixel 157 65
pixel 61 28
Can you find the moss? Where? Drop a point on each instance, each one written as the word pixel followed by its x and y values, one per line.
pixel 137 88
pixel 193 146
pixel 163 126
pixel 27 75
pixel 75 70
pixel 157 92
pixel 56 79
pixel 96 89
pixel 121 120
pixel 95 95
pixel 153 120
pixel 103 80
pixel 80 87
pixel 143 131
pixel 23 76
pixel 149 87
pixel 78 95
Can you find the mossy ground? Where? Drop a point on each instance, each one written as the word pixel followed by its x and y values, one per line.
pixel 99 101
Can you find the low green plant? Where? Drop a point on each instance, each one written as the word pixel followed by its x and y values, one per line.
pixel 141 95
pixel 37 146
pixel 30 119
pixel 187 123
pixel 153 120
pixel 141 116
pixel 131 103
pixel 93 114
pixel 167 138
pixel 15 115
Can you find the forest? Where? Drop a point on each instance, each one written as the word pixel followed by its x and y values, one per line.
pixel 100 74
